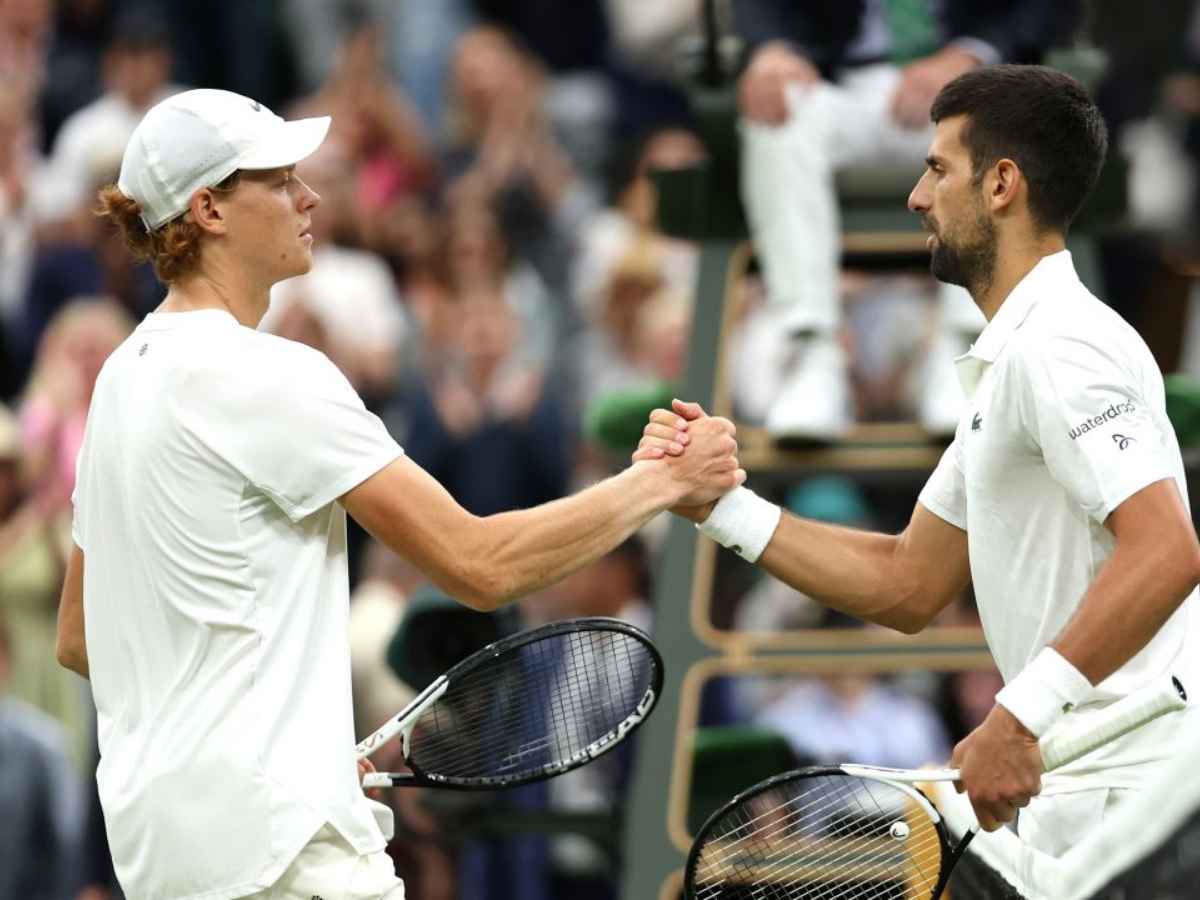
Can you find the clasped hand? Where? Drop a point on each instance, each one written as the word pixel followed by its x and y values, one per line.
pixel 1001 768
pixel 700 450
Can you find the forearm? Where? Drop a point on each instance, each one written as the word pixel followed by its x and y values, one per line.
pixel 71 650
pixel 527 549
pixel 855 572
pixel 1135 593
pixel 71 641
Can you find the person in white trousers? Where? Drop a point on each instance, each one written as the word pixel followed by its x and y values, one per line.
pixel 831 85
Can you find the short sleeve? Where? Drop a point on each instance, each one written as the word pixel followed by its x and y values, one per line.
pixel 945 493
pixel 1089 413
pixel 300 434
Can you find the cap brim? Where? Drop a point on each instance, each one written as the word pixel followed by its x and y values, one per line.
pixel 290 143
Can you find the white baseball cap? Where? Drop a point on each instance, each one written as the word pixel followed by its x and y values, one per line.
pixel 197 139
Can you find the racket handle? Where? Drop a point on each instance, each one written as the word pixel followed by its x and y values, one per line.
pixel 387 780
pixel 1128 713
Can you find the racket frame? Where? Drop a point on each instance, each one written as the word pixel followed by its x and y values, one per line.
pixel 404 722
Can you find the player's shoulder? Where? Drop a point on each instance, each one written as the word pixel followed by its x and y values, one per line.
pixel 1076 326
pixel 253 368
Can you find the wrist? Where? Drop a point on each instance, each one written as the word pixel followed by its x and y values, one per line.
pixel 698 514
pixel 1044 691
pixel 742 521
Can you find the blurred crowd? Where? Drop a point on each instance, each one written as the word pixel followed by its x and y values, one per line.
pixel 488 270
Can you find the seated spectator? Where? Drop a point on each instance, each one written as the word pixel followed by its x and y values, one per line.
pixel 85 256
pixel 505 152
pixel 376 138
pixel 54 411
pixel 25 34
pixel 481 260
pixel 33 538
pixel 486 423
pixel 18 161
pixel 42 799
pixel 136 75
pixel 857 717
pixel 631 219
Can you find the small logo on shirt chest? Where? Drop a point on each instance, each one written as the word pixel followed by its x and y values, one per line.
pixel 144 348
pixel 976 422
pixel 1122 441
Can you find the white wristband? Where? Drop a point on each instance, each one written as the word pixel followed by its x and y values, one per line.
pixel 743 522
pixel 1046 689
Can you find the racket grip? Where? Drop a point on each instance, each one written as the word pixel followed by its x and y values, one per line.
pixel 1067 745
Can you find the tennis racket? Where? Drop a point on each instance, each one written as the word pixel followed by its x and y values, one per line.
pixel 853 832
pixel 525 708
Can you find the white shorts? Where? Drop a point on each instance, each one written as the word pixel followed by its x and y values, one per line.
pixel 328 868
pixel 1055 823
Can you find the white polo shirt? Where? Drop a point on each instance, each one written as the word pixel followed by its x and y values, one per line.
pixel 216 601
pixel 1065 419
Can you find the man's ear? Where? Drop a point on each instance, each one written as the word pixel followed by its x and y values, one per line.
pixel 207 212
pixel 1004 183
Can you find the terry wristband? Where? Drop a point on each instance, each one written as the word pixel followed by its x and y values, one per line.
pixel 743 522
pixel 1046 689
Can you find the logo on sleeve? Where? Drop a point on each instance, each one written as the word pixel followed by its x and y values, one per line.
pixel 1122 441
pixel 1115 410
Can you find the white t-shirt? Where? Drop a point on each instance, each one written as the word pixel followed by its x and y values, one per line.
pixel 1065 420
pixel 216 601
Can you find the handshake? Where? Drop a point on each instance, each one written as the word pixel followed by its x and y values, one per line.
pixel 698 454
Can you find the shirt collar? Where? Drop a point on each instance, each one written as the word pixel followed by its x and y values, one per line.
pixel 1051 271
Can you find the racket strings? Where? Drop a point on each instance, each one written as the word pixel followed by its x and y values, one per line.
pixel 534 707
pixel 826 837
pixel 838 863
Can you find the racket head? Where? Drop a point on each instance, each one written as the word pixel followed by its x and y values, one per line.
pixel 535 705
pixel 821 832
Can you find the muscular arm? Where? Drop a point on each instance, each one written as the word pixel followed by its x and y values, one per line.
pixel 901 581
pixel 1155 566
pixel 485 562
pixel 71 646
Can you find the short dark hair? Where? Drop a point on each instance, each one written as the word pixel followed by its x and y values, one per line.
pixel 1040 118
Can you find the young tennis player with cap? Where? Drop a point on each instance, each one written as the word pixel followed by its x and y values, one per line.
pixel 1063 496
pixel 207 595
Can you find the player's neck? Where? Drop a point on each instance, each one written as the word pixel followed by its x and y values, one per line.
pixel 220 288
pixel 1013 263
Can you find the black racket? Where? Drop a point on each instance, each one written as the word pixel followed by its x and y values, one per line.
pixel 860 832
pixel 528 707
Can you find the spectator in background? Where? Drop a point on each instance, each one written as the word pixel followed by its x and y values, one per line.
pixel 82 31
pixel 570 44
pixel 42 799
pixel 507 153
pixel 487 424
pixel 631 219
pixel 25 32
pixel 831 84
pixel 18 159
pixel 136 71
pixel 33 533
pixel 377 137
pixel 480 260
pixel 85 256
pixel 623 262
pixel 857 717
pixel 54 410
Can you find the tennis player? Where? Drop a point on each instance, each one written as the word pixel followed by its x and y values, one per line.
pixel 206 595
pixel 1063 495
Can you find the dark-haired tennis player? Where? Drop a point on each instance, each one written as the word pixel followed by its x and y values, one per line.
pixel 1063 495
pixel 207 594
